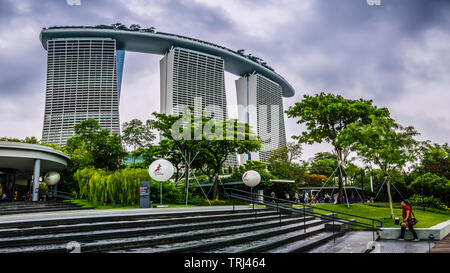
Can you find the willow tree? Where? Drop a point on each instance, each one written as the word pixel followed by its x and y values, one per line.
pixel 325 116
pixel 384 142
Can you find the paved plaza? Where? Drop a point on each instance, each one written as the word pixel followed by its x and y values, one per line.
pixel 357 242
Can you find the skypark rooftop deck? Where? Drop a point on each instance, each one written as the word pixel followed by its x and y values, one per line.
pixel 160 43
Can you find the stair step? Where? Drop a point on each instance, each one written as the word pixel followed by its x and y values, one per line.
pixel 147 240
pixel 156 228
pixel 271 242
pixel 305 244
pixel 116 217
pixel 124 224
pixel 207 244
pixel 36 210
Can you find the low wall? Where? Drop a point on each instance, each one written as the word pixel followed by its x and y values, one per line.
pixel 439 232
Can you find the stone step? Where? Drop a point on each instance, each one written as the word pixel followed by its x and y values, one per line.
pixel 147 241
pixel 152 228
pixel 115 218
pixel 209 244
pixel 267 243
pixel 44 209
pixel 129 223
pixel 305 244
pixel 25 204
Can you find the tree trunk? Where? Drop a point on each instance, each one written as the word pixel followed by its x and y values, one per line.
pixel 391 210
pixel 340 180
pixel 216 186
pixel 177 174
pixel 187 178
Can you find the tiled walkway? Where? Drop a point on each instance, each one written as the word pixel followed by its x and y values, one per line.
pixel 442 246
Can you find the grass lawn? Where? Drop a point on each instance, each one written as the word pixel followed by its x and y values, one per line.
pixel 381 212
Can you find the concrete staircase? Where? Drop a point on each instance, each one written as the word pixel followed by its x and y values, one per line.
pixel 21 207
pixel 214 231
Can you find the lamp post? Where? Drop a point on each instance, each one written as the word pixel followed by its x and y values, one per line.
pixel 251 179
pixel 161 170
pixel 431 238
pixel 52 179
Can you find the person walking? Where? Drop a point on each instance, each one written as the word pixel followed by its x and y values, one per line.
pixel 297 198
pixel 286 195
pixel 272 194
pixel 407 216
pixel 306 197
pixel 327 197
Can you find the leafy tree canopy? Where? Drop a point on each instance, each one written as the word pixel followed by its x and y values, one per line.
pixel 138 134
pixel 94 146
pixel 326 115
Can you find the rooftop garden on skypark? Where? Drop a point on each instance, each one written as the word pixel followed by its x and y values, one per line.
pixel 31 140
pixel 138 28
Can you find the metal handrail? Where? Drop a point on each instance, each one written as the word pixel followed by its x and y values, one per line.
pixel 323 216
pixel 64 195
pixel 316 214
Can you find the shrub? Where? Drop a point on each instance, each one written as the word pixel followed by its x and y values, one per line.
pixel 431 185
pixel 427 202
pixel 311 179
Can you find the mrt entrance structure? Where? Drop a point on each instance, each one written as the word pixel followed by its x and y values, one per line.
pixel 24 164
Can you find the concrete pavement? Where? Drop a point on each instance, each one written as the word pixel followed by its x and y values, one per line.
pixel 357 242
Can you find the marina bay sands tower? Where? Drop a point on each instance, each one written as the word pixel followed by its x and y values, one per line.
pixel 84 75
pixel 82 83
pixel 187 76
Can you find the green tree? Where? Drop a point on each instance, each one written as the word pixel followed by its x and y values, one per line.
pixel 325 116
pixel 167 149
pixel 137 134
pixel 204 139
pixel 435 159
pixel 323 163
pixel 94 146
pixel 223 139
pixel 384 142
pixel 281 162
pixel 183 133
pixel 261 168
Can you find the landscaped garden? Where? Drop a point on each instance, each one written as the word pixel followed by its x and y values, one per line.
pixel 98 177
pixel 380 211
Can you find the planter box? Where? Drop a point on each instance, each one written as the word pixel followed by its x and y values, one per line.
pixel 439 231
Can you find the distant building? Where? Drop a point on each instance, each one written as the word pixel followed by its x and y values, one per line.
pixel 82 83
pixel 260 104
pixel 191 78
pixel 187 75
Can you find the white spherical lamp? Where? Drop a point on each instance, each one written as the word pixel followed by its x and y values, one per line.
pixel 251 178
pixel 161 170
pixel 52 178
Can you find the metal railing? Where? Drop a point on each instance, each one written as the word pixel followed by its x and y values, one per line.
pixel 277 203
pixel 64 195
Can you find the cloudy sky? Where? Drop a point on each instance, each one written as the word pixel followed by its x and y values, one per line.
pixel 397 53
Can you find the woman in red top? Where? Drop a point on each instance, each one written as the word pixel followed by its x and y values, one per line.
pixel 407 215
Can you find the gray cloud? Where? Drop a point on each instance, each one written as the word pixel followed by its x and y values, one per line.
pixel 388 53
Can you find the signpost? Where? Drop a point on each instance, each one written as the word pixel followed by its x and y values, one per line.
pixel 144 194
pixel 161 170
